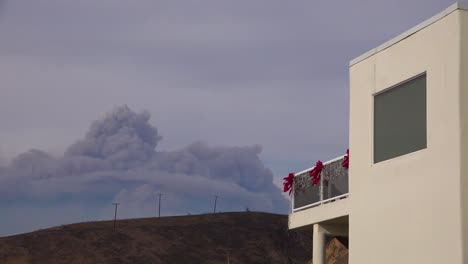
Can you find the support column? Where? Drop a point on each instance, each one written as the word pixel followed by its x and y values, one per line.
pixel 318 242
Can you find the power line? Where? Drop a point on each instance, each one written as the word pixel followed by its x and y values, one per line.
pixel 115 213
pixel 216 199
pixel 159 206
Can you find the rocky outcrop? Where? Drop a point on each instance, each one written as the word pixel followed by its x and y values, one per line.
pixel 336 251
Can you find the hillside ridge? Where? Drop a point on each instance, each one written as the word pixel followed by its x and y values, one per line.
pixel 246 237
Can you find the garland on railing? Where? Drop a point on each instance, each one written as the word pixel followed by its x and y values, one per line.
pixel 315 174
pixel 288 183
pixel 346 160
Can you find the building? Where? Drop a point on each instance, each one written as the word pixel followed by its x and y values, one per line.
pixel 406 199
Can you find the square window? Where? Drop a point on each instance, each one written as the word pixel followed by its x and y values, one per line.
pixel 400 119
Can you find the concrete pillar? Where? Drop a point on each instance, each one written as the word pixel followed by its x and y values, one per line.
pixel 318 242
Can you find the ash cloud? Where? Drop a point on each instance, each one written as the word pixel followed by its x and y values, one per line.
pixel 118 160
pixel 123 138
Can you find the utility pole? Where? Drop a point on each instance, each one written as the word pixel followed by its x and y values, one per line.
pixel 216 199
pixel 159 206
pixel 115 213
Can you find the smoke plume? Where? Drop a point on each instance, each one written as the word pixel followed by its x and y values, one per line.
pixel 118 160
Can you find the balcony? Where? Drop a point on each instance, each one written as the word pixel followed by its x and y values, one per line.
pixel 333 186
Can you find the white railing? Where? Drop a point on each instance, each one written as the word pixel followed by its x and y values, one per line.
pixel 333 186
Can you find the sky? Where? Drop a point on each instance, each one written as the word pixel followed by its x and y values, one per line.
pixel 115 101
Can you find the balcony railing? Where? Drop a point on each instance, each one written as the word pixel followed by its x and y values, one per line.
pixel 333 186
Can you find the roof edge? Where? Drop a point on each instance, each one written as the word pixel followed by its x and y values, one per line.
pixel 411 31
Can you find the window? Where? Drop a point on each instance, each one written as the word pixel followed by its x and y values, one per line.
pixel 400 119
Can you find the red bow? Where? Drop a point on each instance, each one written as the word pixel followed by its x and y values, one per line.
pixel 288 183
pixel 346 160
pixel 315 172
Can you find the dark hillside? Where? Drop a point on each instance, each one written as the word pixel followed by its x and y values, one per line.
pixel 245 237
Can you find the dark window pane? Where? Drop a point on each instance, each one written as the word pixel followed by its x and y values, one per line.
pixel 400 120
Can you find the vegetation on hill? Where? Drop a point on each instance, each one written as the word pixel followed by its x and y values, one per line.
pixel 247 237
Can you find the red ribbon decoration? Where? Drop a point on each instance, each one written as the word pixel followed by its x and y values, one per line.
pixel 346 160
pixel 315 172
pixel 288 183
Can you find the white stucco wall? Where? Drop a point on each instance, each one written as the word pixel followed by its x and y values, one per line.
pixel 464 129
pixel 408 209
pixel 319 214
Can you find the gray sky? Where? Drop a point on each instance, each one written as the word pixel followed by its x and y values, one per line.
pixel 231 73
pixel 227 72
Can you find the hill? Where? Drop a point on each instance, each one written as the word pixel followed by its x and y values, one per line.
pixel 247 237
